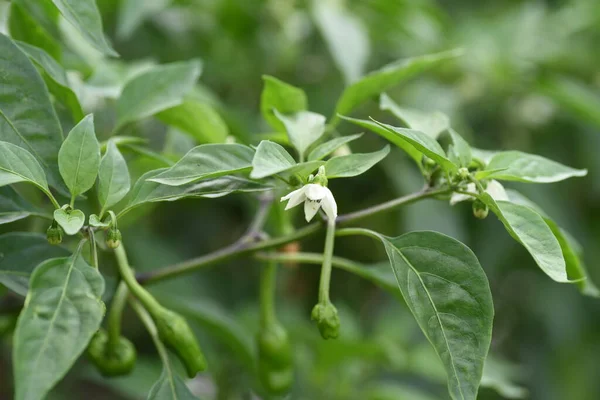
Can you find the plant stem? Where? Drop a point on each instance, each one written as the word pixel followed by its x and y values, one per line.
pixel 244 246
pixel 326 268
pixel 127 275
pixel 268 281
pixel 115 314
pixel 93 248
pixel 151 328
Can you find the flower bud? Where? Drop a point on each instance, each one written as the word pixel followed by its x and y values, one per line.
pixel 113 238
pixel 327 319
pixel 54 234
pixel 463 173
pixel 175 332
pixel 480 209
pixel 320 178
pixel 111 359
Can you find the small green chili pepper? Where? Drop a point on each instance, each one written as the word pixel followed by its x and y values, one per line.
pixel 275 364
pixel 111 359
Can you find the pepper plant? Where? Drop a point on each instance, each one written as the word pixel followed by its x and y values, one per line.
pixel 55 168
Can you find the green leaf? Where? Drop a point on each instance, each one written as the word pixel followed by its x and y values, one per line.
pixel 147 191
pixel 431 123
pixel 55 77
pixel 207 161
pixel 459 150
pixel 18 165
pixel 280 96
pixel 23 26
pixel 354 164
pixel 531 168
pixel 71 221
pixel 13 207
pixel 390 75
pixel 270 159
pixel 113 177
pixel 62 312
pixel 303 128
pixel 160 88
pixel 500 375
pixel 345 35
pixel 132 14
pixel 415 143
pixel 21 253
pixel 199 120
pixel 448 293
pixel 79 157
pixel 528 228
pixel 170 387
pixel 325 149
pixel 95 221
pixel 35 128
pixel 85 17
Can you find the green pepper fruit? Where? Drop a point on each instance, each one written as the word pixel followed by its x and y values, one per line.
pixel 480 209
pixel 111 359
pixel 327 319
pixel 275 365
pixel 54 234
pixel 175 332
pixel 113 238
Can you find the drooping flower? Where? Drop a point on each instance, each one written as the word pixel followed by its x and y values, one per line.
pixel 494 189
pixel 314 196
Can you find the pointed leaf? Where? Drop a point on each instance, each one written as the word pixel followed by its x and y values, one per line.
pixel 448 293
pixel 113 177
pixel 35 128
pixel 21 253
pixel 270 159
pixel 303 128
pixel 170 387
pixel 84 16
pixel 79 157
pixel 353 164
pixel 207 161
pixel 431 123
pixel 18 165
pixel 199 120
pixel 280 96
pixel 158 89
pixel 460 149
pixel 325 149
pixel 13 207
pixel 62 312
pixel 523 167
pixel 380 80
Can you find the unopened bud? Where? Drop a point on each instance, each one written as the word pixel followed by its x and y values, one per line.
pixel 480 209
pixel 463 173
pixel 113 238
pixel 327 319
pixel 54 234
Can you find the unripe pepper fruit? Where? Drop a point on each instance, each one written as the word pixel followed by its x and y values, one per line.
pixel 111 360
pixel 275 364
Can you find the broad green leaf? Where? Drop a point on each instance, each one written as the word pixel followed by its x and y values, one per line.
pixel 71 221
pixel 113 177
pixel 24 27
pixel 21 253
pixel 95 221
pixel 79 157
pixel 529 228
pixel 160 88
pixel 303 128
pixel 523 167
pixel 379 81
pixel 459 150
pixel 207 161
pixel 55 77
pixel 62 312
pixel 280 96
pixel 85 17
pixel 147 191
pixel 353 164
pixel 199 120
pixel 345 35
pixel 13 207
pixel 325 149
pixel 18 165
pixel 448 293
pixel 170 387
pixel 500 375
pixel 132 14
pixel 302 170
pixel 35 128
pixel 270 159
pixel 415 143
pixel 483 155
pixel 431 123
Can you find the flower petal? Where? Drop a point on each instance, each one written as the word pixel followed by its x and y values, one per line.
pixel 496 190
pixel 316 192
pixel 310 209
pixel 329 205
pixel 295 198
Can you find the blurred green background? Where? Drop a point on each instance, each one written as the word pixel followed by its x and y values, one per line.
pixel 529 80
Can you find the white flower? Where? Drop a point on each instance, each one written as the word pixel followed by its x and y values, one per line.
pixel 494 189
pixel 314 197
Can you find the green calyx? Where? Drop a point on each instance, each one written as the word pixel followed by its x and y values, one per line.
pixel 480 209
pixel 275 366
pixel 54 234
pixel 320 178
pixel 113 238
pixel 327 319
pixel 463 173
pixel 111 359
pixel 175 332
